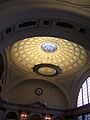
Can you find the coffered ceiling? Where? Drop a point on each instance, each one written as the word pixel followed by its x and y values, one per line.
pixel 69 56
pixel 46 51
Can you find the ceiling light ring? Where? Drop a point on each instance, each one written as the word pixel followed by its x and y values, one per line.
pixel 57 69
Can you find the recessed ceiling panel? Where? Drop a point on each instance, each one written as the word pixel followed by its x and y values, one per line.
pixel 69 56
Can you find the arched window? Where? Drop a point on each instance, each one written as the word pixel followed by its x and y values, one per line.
pixel 84 93
pixel 11 115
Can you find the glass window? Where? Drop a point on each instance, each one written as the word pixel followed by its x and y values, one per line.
pixel 87 116
pixel 79 117
pixel 79 103
pixel 88 81
pixel 84 117
pixel 84 94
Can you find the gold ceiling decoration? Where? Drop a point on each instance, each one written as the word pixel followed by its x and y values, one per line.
pixel 47 71
pixel 69 56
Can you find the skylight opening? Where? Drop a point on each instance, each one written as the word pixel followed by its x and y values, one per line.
pixel 49 46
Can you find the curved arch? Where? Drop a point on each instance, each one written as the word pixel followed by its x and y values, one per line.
pixel 58 84
pixel 31 85
pixel 11 115
pixel 35 117
pixel 1 66
pixel 33 12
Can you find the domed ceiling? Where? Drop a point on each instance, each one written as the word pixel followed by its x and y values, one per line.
pixel 30 63
pixel 69 57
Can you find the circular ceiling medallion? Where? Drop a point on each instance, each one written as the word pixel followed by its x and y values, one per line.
pixel 68 56
pixel 38 91
pixel 49 46
pixel 48 70
pixel 79 2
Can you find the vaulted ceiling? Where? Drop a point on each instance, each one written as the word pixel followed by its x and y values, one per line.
pixel 46 51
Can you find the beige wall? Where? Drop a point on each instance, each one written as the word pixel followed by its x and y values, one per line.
pixel 25 93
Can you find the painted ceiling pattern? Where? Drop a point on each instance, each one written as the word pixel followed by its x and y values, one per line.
pixel 69 56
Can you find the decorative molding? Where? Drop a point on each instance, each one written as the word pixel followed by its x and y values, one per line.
pixel 83 3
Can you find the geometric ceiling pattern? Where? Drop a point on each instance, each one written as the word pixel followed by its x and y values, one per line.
pixel 69 56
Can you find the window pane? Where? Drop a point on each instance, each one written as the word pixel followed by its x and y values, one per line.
pixel 87 116
pixel 88 81
pixel 79 103
pixel 85 97
pixel 79 117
